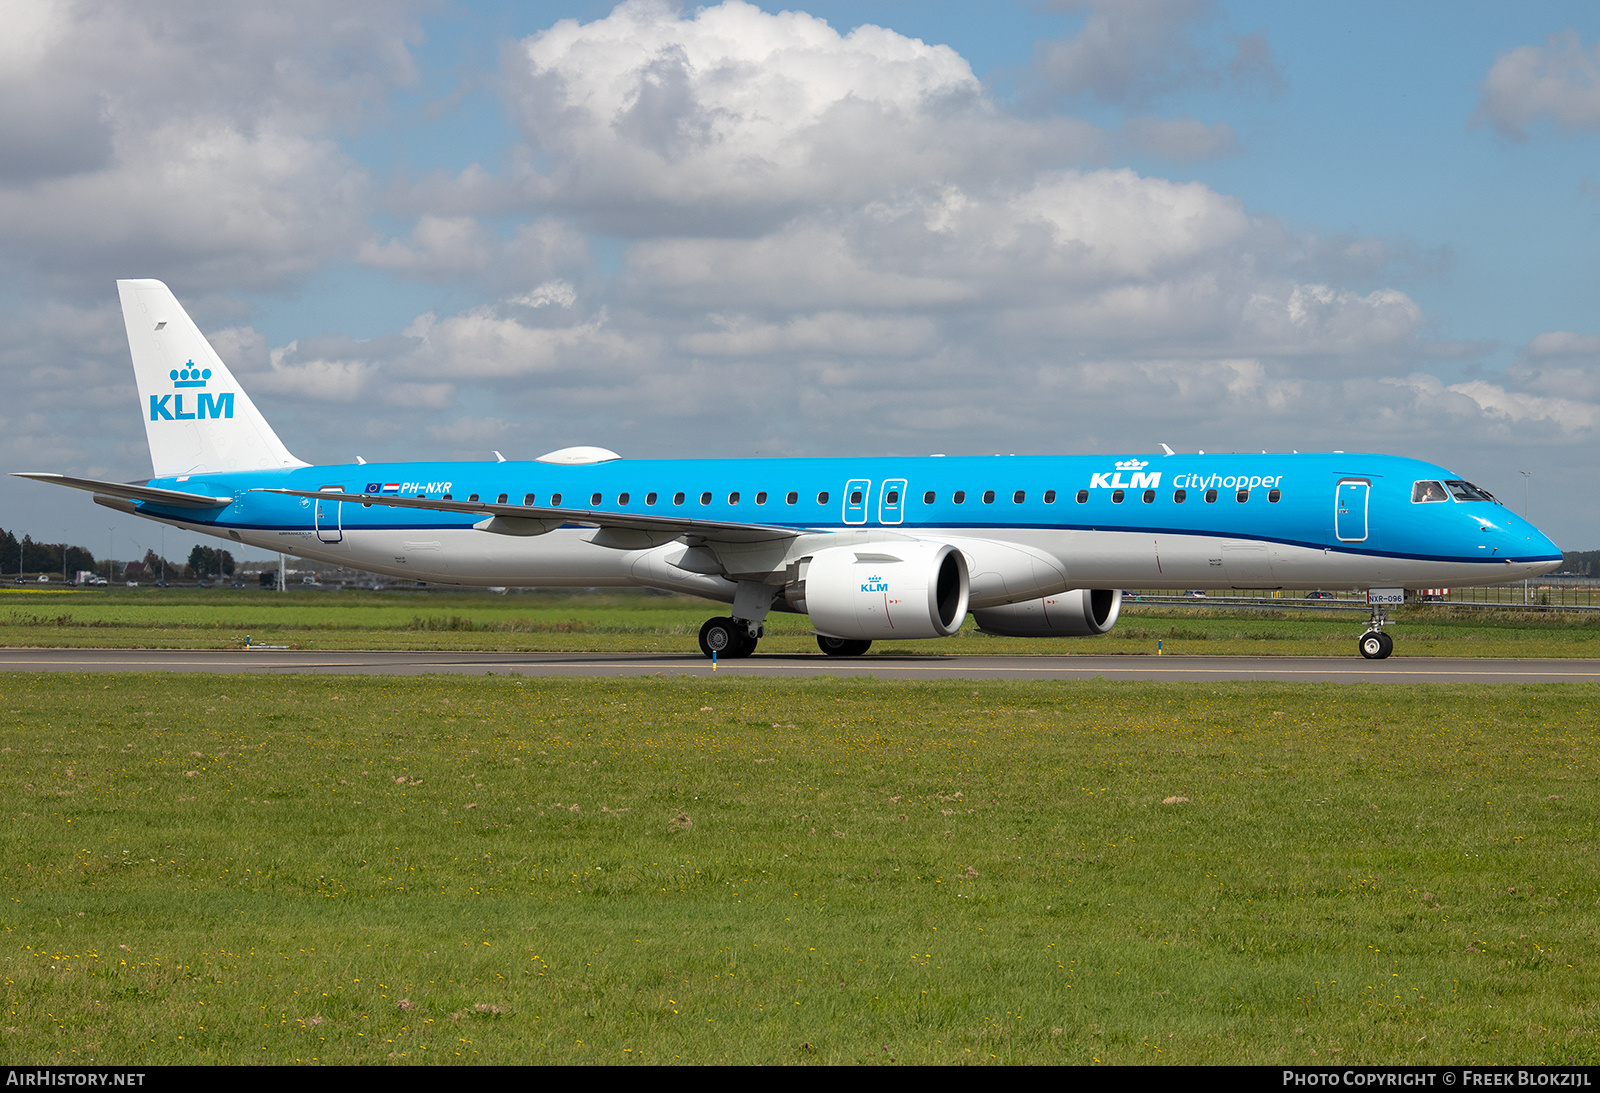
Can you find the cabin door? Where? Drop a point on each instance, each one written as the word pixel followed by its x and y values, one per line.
pixel 330 514
pixel 1350 510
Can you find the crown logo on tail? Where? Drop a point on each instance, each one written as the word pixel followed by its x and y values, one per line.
pixel 190 376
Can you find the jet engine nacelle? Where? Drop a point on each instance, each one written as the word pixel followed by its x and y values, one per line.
pixel 898 589
pixel 1081 612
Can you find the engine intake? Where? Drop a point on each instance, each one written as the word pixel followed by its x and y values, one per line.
pixel 882 590
pixel 1079 613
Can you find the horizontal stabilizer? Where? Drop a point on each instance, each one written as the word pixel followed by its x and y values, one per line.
pixel 132 491
pixel 719 530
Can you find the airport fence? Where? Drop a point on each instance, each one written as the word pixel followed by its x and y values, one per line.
pixel 1543 594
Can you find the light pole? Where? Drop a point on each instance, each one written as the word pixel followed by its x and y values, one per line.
pixel 1527 477
pixel 139 547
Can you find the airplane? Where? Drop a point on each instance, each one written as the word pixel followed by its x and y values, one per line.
pixel 869 549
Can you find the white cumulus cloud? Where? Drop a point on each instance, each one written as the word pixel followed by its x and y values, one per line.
pixel 732 117
pixel 168 135
pixel 1558 81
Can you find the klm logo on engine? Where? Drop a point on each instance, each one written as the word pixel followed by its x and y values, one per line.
pixel 206 405
pixel 874 584
pixel 1112 480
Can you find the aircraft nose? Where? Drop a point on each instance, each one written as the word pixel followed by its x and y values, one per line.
pixel 1541 552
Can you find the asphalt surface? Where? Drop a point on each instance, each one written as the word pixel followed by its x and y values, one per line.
pixel 1172 668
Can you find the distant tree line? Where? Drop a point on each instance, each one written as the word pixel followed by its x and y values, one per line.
pixel 206 562
pixel 1585 563
pixel 153 568
pixel 31 557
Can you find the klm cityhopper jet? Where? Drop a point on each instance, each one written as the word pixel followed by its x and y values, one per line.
pixel 1033 546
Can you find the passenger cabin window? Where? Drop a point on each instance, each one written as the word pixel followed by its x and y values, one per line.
pixel 1149 496
pixel 1083 496
pixel 1018 497
pixel 594 500
pixel 1211 497
pixel 733 498
pixel 1273 495
pixel 927 498
pixel 1117 496
pixel 677 499
pixel 894 497
pixel 1049 497
pixel 791 498
pixel 1244 495
pixel 501 500
pixel 822 498
pixel 1180 496
pixel 705 498
pixel 959 497
pixel 855 497
pixel 555 500
pixel 527 498
pixel 1422 492
pixel 649 498
pixel 622 499
pixel 447 497
pixel 988 497
pixel 474 497
pixel 761 498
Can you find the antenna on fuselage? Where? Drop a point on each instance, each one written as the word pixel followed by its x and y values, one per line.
pixel 498 458
pixel 1168 450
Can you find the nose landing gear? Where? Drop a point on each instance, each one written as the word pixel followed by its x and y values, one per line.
pixel 1375 644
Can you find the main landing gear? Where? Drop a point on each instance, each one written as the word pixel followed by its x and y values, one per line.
pixel 1375 644
pixel 842 647
pixel 731 639
pixel 728 639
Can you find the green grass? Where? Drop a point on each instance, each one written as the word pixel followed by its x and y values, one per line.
pixel 231 869
pixel 639 622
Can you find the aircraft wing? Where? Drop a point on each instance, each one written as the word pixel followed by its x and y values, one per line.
pixel 132 491
pixel 536 519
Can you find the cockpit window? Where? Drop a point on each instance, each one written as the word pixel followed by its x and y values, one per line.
pixel 1466 491
pixel 1428 491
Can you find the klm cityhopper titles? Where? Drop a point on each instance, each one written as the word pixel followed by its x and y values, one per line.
pixel 1034 546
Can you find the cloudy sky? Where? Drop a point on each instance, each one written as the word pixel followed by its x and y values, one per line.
pixel 877 227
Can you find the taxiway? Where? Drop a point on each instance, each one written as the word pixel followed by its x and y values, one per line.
pixel 1171 668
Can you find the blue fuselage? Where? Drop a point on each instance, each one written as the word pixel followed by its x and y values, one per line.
pixel 1268 520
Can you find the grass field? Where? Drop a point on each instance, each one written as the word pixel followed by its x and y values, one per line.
pixel 633 621
pixel 205 869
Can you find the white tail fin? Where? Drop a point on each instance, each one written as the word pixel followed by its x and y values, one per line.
pixel 197 417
